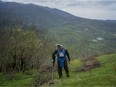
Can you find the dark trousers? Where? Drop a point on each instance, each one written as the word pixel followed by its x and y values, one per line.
pixel 65 68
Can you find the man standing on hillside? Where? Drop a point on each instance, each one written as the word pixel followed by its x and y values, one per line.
pixel 62 60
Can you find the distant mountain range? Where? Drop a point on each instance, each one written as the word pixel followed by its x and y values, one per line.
pixel 111 21
pixel 67 29
pixel 30 13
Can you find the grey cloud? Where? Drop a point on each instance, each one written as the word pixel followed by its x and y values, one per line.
pixel 108 5
pixel 88 3
pixel 107 2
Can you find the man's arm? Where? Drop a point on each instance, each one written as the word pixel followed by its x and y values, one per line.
pixel 54 56
pixel 67 53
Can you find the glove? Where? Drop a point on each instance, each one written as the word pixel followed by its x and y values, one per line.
pixel 53 61
pixel 68 62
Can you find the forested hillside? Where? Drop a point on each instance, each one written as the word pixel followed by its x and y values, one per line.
pixel 28 34
pixel 66 28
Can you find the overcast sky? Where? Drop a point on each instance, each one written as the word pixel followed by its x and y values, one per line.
pixel 94 9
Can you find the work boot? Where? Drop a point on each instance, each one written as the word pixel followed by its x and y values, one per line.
pixel 68 76
pixel 60 77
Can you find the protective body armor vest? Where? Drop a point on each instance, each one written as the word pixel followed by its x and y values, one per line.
pixel 61 56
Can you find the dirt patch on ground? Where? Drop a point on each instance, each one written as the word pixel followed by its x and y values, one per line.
pixel 89 63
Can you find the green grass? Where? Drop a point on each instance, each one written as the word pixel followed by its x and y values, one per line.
pixel 101 76
pixel 17 79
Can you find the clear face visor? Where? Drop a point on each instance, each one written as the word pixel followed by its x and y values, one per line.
pixel 59 46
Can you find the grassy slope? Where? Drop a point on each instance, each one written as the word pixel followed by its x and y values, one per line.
pixel 101 76
pixel 74 38
pixel 18 79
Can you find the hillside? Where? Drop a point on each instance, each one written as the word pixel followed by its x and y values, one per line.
pixel 33 14
pixel 73 32
pixel 28 34
pixel 101 76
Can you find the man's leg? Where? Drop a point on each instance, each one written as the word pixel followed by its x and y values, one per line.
pixel 59 70
pixel 66 68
